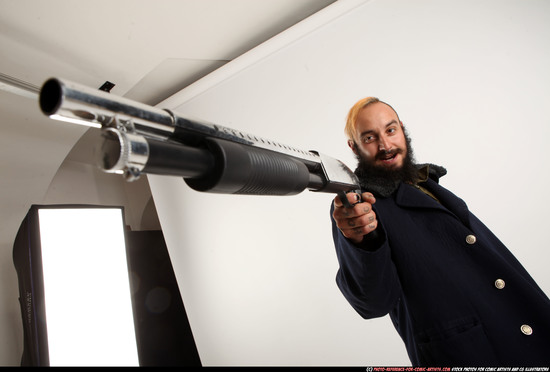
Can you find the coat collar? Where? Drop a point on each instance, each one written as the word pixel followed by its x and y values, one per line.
pixel 385 188
pixel 407 196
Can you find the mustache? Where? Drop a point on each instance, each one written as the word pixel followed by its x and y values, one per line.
pixel 385 154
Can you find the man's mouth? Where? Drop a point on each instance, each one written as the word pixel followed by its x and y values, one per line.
pixel 387 157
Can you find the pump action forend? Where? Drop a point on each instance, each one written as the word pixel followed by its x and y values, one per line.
pixel 138 138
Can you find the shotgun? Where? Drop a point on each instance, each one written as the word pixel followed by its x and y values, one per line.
pixel 141 139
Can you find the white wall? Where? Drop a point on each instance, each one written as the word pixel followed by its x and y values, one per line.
pixel 471 81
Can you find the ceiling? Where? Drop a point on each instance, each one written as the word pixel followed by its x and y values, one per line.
pixel 148 49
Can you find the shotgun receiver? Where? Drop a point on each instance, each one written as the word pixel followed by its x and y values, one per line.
pixel 138 138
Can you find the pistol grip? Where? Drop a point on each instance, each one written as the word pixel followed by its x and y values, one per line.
pixel 373 235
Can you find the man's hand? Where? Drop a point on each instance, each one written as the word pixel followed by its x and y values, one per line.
pixel 357 221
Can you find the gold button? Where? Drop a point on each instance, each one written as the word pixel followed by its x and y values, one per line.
pixel 471 239
pixel 526 330
pixel 499 283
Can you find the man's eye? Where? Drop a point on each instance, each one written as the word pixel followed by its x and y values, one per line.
pixel 368 139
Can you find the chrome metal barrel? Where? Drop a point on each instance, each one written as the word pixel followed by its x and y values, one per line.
pixel 139 138
pixel 76 103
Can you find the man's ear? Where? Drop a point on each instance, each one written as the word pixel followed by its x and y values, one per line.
pixel 353 146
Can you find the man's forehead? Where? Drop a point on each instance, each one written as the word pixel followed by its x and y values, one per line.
pixel 378 108
pixel 376 113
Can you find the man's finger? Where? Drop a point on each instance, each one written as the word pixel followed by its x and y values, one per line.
pixel 352 197
pixel 368 197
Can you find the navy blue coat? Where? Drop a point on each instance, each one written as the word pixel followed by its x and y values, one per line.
pixel 454 292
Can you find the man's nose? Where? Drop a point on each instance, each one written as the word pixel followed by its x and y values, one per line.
pixel 383 144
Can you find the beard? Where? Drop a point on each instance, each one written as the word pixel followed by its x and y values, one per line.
pixel 382 180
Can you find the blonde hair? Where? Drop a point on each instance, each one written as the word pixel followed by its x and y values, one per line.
pixel 351 121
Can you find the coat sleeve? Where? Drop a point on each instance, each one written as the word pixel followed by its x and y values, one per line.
pixel 367 276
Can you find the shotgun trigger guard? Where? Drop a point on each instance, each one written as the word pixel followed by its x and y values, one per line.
pixel 344 199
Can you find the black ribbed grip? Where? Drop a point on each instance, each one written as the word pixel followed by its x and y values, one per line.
pixel 242 169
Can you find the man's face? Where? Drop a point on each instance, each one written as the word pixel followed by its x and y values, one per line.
pixel 379 135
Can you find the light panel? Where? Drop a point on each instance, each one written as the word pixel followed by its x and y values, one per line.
pixel 86 288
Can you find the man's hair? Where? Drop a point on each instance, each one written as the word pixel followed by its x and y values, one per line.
pixel 351 121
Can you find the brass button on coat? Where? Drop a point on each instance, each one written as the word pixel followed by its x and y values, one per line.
pixel 471 239
pixel 526 330
pixel 499 283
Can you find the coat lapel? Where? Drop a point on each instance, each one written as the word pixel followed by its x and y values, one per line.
pixel 408 196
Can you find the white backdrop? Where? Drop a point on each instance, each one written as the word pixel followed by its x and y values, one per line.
pixel 471 81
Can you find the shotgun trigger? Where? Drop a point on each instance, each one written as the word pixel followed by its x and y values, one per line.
pixel 344 199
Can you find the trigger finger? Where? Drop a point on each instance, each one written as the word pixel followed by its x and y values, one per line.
pixel 353 198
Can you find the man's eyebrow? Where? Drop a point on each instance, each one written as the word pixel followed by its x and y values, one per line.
pixel 363 134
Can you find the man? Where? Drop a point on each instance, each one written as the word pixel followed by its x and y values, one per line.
pixel 411 249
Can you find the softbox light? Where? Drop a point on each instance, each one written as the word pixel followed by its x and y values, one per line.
pixel 74 287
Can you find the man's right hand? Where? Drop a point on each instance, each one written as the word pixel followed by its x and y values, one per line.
pixel 357 221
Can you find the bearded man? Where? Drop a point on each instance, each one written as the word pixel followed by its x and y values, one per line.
pixel 454 292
